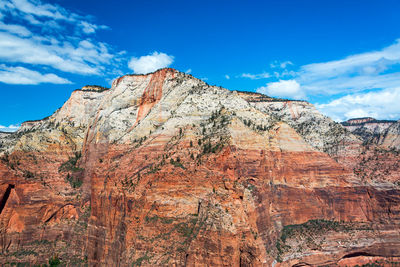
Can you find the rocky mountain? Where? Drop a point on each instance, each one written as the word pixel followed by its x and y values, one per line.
pixel 391 137
pixel 165 170
pixel 382 132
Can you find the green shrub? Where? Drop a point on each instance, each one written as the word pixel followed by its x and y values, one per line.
pixel 70 164
pixel 308 229
pixel 74 182
pixel 54 261
pixel 177 163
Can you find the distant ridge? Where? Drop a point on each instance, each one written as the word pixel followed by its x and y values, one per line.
pixel 361 121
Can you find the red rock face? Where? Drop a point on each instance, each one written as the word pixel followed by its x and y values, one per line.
pixel 224 213
pixel 152 94
pixel 201 189
pixel 34 219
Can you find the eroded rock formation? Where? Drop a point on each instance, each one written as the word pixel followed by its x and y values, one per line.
pixel 165 170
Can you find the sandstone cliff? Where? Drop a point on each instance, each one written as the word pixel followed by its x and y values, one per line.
pixel 165 170
pixel 383 132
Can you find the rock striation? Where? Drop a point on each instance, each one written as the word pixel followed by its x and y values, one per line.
pixel 165 170
pixel 383 132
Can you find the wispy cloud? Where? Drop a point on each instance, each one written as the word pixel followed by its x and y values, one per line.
pixel 381 104
pixel 278 64
pixel 354 73
pixel 83 57
pixel 279 71
pixel 15 29
pixel 89 28
pixel 361 76
pixel 251 76
pixel 150 63
pixel 37 13
pixel 286 89
pixel 21 75
pixel 36 35
pixel 227 77
pixel 284 73
pixel 10 128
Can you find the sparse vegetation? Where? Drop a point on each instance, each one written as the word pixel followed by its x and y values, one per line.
pixel 54 261
pixel 177 163
pixel 373 264
pixel 72 170
pixel 73 181
pixel 5 158
pixel 71 164
pixel 153 169
pixel 309 230
pixel 139 261
pixel 28 174
pixel 139 141
pixel 94 88
pixel 257 127
pixel 311 227
pixel 23 253
pixel 129 184
pixel 214 138
pixel 370 165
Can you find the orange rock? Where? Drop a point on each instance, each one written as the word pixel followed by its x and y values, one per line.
pixel 218 181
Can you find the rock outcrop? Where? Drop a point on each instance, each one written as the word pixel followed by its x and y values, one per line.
pixel 165 170
pixel 370 130
pixel 392 136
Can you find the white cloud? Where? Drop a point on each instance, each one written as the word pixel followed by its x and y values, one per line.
pixel 278 64
pixel 150 63
pixel 49 17
pixel 45 35
pixel 188 71
pixel 382 104
pixel 21 75
pixel 368 76
pixel 83 57
pixel 285 64
pixel 16 29
pixel 10 128
pixel 89 28
pixel 227 77
pixel 263 75
pixel 354 84
pixel 36 8
pixel 365 63
pixel 284 88
pixel 284 73
pixel 352 74
pixel 38 13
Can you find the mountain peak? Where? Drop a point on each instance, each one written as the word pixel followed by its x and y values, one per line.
pixel 160 72
pixel 164 158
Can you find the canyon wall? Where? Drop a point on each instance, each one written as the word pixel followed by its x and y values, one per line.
pixel 165 170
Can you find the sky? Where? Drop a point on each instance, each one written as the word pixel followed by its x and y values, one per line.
pixel 343 56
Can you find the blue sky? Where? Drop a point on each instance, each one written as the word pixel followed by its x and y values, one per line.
pixel 342 56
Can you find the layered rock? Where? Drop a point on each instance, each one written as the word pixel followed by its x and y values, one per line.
pixel 391 137
pixel 44 211
pixel 377 162
pixel 165 170
pixel 382 132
